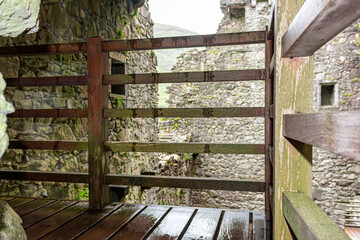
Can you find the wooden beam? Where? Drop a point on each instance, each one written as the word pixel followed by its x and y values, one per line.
pixel 186 182
pixel 49 145
pixel 185 112
pixel 317 22
pixel 182 77
pixel 49 113
pixel 44 176
pixel 336 132
pixel 97 127
pixel 185 147
pixel 46 81
pixel 185 41
pixel 307 220
pixel 45 49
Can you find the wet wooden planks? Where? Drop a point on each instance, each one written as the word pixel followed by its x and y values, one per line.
pixel 51 219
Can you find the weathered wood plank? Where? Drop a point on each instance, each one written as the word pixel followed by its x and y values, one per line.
pixel 173 224
pixel 235 225
pixel 225 148
pixel 45 49
pixel 336 132
pixel 42 228
pixel 139 226
pixel 185 41
pixel 49 145
pixel 293 82
pixel 186 182
pixel 97 126
pixel 203 225
pixel 258 225
pixel 31 206
pixel 307 220
pixel 46 81
pixel 317 22
pixel 185 112
pixel 19 201
pixel 49 113
pixel 182 77
pixel 44 176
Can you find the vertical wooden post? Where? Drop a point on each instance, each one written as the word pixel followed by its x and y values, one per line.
pixel 97 127
pixel 293 85
pixel 268 130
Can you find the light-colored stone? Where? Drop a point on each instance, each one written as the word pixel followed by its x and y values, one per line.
pixel 10 223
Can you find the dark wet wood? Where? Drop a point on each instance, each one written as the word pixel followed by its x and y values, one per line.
pixel 45 49
pixel 234 226
pixel 186 182
pixel 32 205
pixel 336 132
pixel 49 113
pixel 173 224
pixel 6 198
pixel 52 223
pixel 185 41
pixel 203 225
pixel 311 28
pixel 44 176
pixel 45 212
pixel 138 227
pixel 46 81
pixel 185 112
pixel 97 126
pixel 115 221
pixel 258 225
pixel 183 77
pixel 79 224
pixel 16 202
pixel 226 148
pixel 49 145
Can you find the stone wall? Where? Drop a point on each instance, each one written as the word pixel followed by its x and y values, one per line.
pixel 238 16
pixel 336 179
pixel 71 21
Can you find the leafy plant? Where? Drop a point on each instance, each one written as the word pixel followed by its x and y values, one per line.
pixel 83 193
pixel 118 102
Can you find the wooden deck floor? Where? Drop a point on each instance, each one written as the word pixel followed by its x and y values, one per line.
pixel 57 219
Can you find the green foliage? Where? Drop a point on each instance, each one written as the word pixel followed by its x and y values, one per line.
pixel 83 193
pixel 187 158
pixel 118 102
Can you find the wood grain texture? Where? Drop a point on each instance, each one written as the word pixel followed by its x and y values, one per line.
pixel 182 77
pixel 317 22
pixel 31 206
pixel 186 182
pixel 44 176
pixel 307 220
pixel 49 145
pixel 49 113
pixel 234 226
pixel 185 112
pixel 46 81
pixel 185 41
pixel 45 49
pixel 16 202
pixel 293 82
pixel 226 148
pixel 336 132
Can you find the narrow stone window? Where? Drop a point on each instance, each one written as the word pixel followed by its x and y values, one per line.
pixel 118 68
pixel 327 94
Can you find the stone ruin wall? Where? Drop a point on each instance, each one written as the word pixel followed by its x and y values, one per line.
pixel 71 21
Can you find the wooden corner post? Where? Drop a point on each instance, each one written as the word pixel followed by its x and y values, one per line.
pixel 97 126
pixel 293 85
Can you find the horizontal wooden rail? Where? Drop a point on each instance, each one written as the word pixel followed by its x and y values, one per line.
pixel 336 132
pixel 181 77
pixel 185 41
pixel 49 113
pixel 307 220
pixel 44 176
pixel 49 145
pixel 186 182
pixel 185 112
pixel 317 22
pixel 45 49
pixel 225 148
pixel 46 81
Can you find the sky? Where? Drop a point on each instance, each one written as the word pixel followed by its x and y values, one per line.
pixel 201 16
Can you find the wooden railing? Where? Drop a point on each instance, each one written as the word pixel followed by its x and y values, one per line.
pixel 97 113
